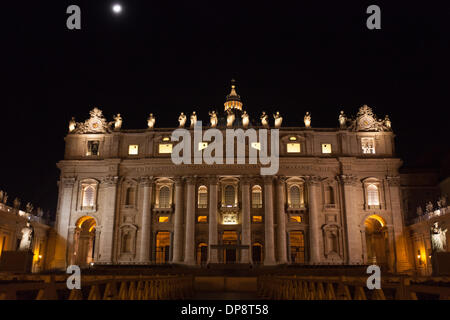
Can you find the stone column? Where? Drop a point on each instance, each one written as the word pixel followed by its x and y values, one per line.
pixel 189 245
pixel 401 250
pixel 269 257
pixel 72 244
pixel 178 223
pixel 212 219
pixel 245 222
pixel 281 221
pixel 313 183
pixel 352 228
pixel 108 213
pixel 144 252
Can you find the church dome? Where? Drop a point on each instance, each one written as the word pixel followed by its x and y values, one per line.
pixel 233 100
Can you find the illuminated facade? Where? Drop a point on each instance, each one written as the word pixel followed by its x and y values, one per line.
pixel 334 200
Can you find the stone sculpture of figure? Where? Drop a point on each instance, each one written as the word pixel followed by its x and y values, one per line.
pixel 29 208
pixel 230 118
pixel 1 196
pixel 151 121
pixel 438 238
pixel 429 207
pixel 439 203
pixel 182 120
pixel 16 203
pixel 213 119
pixel 264 119
pixel 307 120
pixel 72 124
pixel 5 198
pixel 419 211
pixel 342 120
pixel 278 119
pixel 245 119
pixel 27 237
pixel 118 122
pixel 387 122
pixel 193 119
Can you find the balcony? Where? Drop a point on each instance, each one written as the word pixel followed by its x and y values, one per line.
pixel 430 215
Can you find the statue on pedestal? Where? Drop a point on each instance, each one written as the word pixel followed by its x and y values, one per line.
pixel 29 208
pixel 182 120
pixel 245 119
pixel 429 207
pixel 118 122
pixel 193 119
pixel 264 119
pixel 27 238
pixel 72 124
pixel 16 203
pixel 307 120
pixel 230 118
pixel 151 121
pixel 213 119
pixel 1 196
pixel 387 122
pixel 5 198
pixel 438 238
pixel 278 119
pixel 342 120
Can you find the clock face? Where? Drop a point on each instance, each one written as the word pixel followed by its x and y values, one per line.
pixel 366 122
pixel 95 125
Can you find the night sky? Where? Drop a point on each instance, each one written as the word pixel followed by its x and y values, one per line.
pixel 166 57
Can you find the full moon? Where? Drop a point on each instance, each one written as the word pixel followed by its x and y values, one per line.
pixel 117 8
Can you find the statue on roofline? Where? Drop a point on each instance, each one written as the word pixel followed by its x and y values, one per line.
pixel 151 121
pixel 193 119
pixel 278 119
pixel 182 120
pixel 213 119
pixel 245 119
pixel 264 119
pixel 117 122
pixel 230 118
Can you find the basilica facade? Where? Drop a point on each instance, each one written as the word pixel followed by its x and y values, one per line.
pixel 334 199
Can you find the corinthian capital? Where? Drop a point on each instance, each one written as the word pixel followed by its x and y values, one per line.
pixel 268 179
pixel 281 180
pixel 110 181
pixel 68 182
pixel 190 179
pixel 313 180
pixel 146 181
pixel 347 179
pixel 393 180
pixel 213 180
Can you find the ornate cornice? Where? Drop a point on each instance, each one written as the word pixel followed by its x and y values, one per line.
pixel 347 179
pixel 393 180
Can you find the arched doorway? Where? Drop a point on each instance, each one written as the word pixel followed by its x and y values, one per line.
pixel 297 246
pixel 202 253
pixel 377 241
pixel 230 240
pixel 162 247
pixel 84 241
pixel 257 253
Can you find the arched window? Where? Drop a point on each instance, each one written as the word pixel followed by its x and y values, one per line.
pixel 131 196
pixel 295 196
pixel 329 195
pixel 88 197
pixel 256 197
pixel 164 197
pixel 229 196
pixel 373 197
pixel 202 197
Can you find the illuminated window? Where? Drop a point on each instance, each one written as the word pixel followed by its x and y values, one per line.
pixel 130 196
pixel 166 139
pixel 256 197
pixel 133 149
pixel 202 197
pixel 293 138
pixel 373 197
pixel 297 247
pixel 326 148
pixel 295 196
pixel 162 247
pixel 202 145
pixel 256 145
pixel 202 219
pixel 295 219
pixel 229 196
pixel 165 148
pixel 92 148
pixel 293 147
pixel 368 145
pixel 88 197
pixel 257 219
pixel 164 197
pixel 163 219
pixel 2 244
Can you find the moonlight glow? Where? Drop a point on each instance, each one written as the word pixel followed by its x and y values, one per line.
pixel 117 8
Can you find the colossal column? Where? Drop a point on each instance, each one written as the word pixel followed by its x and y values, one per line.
pixel 63 221
pixel 281 221
pixel 354 243
pixel 246 225
pixel 189 249
pixel 109 184
pixel 269 257
pixel 144 253
pixel 313 183
pixel 212 220
pixel 178 223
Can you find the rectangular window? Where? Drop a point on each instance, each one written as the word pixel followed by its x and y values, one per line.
pixel 368 145
pixel 92 148
pixel 257 219
pixel 256 199
pixel 165 148
pixel 202 219
pixel 202 145
pixel 203 200
pixel 133 149
pixel 163 219
pixel 293 147
pixel 295 219
pixel 326 148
